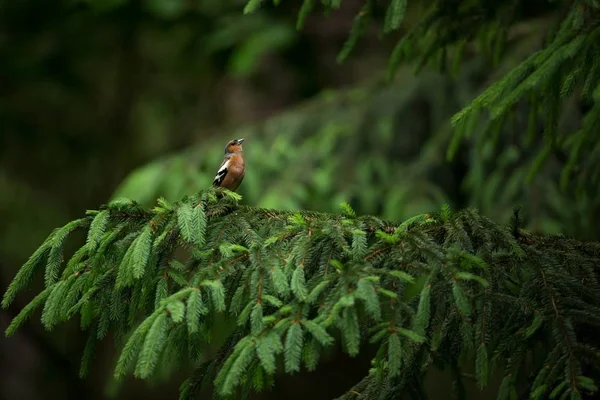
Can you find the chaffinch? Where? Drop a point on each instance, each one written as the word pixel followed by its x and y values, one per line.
pixel 231 173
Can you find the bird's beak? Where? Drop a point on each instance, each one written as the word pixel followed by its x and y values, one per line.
pixel 240 141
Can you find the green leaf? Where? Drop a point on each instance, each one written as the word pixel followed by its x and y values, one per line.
pixel 558 389
pixel 280 282
pixel 266 353
pixel 317 290
pixel 26 312
pixel 347 210
pixel 358 26
pixel 133 346
pixel 482 366
pixel 587 383
pixel 161 292
pixel 274 301
pixel 252 6
pixel 55 257
pixel 50 314
pixel 297 219
pixel 80 283
pixel 366 291
pixel 187 222
pixel 538 393
pixel 270 241
pixel 77 261
pixel 359 244
pixel 461 300
pixel 142 247
pixel 88 353
pixel 351 331
pixel 445 213
pixel 26 273
pixel 403 276
pixel 506 386
pixel 164 204
pixel 232 195
pixel 293 348
pixel 195 310
pixel 178 278
pixel 256 319
pixel 87 312
pixel 412 335
pixel 318 332
pixel 346 300
pixel 245 314
pixel 217 292
pixel 243 357
pixel 152 347
pixel 387 293
pixel 337 265
pixel 311 355
pixel 421 218
pixel 200 225
pixel 537 322
pixel 394 355
pixel 394 15
pixel 97 229
pixel 176 310
pixel 423 311
pixel 298 284
pixel 176 265
pixel 467 276
pixel 386 237
pixel 470 261
pixel 307 7
pixel 377 336
pixel 125 272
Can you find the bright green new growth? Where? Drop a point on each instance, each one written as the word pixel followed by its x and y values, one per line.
pixel 453 290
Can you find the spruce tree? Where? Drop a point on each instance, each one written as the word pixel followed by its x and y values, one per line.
pixel 447 289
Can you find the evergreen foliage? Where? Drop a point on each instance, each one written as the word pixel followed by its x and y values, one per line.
pixel 452 290
pixel 567 65
pixel 360 126
pixel 544 85
pixel 391 141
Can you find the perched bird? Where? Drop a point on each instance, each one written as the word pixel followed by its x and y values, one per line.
pixel 231 173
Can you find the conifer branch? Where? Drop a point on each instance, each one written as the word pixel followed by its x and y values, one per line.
pixel 565 67
pixel 426 290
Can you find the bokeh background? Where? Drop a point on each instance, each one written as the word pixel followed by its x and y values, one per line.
pixel 137 98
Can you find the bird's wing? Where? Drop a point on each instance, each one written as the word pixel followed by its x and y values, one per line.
pixel 221 174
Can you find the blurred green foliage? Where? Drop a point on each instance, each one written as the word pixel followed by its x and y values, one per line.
pixel 383 149
pixel 92 89
pixel 340 146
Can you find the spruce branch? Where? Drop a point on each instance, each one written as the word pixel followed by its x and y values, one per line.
pixel 426 290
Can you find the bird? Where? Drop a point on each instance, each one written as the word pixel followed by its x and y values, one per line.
pixel 232 169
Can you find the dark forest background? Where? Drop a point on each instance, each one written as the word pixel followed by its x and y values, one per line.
pixel 137 98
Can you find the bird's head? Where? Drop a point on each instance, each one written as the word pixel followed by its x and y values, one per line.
pixel 234 146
